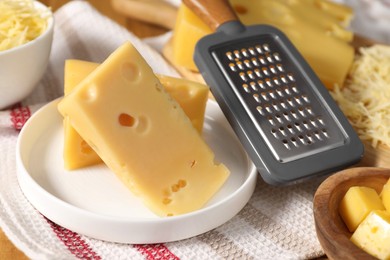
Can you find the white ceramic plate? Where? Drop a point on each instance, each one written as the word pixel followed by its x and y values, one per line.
pixel 93 202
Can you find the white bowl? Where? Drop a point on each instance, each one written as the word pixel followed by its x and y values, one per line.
pixel 22 67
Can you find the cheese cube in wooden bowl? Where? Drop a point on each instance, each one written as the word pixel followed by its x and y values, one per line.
pixel 332 232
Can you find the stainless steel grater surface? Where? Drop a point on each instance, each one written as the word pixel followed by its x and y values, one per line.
pixel 285 111
pixel 283 115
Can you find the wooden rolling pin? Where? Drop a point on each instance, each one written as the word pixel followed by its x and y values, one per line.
pixel 157 12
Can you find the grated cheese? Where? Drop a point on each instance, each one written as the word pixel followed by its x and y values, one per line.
pixel 365 98
pixel 20 22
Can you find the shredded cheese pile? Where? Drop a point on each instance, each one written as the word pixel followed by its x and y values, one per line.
pixel 20 22
pixel 365 99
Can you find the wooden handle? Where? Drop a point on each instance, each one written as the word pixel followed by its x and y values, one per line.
pixel 212 12
pixel 156 12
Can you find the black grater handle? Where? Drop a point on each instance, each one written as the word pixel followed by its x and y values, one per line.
pixel 213 12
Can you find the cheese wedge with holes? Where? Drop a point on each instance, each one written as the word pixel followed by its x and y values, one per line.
pixel 316 27
pixel 143 135
pixel 191 96
pixel 373 234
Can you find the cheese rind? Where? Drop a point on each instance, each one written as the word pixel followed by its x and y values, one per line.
pixel 328 51
pixel 373 234
pixel 191 96
pixel 357 203
pixel 143 135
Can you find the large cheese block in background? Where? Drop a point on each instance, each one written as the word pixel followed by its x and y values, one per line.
pixel 316 28
pixel 191 96
pixel 143 135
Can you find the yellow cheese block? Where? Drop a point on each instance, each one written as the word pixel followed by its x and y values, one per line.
pixel 191 96
pixel 316 28
pixel 77 153
pixel 373 234
pixel 357 203
pixel 143 135
pixel 385 195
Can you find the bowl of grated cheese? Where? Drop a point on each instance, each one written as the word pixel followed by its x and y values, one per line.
pixel 26 35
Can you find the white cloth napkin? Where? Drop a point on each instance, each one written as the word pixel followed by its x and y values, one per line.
pixel 277 223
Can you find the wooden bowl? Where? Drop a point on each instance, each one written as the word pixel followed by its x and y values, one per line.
pixel 332 233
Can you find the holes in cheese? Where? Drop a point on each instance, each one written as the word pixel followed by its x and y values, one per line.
pixel 192 164
pixel 140 124
pixel 179 185
pixel 85 148
pixel 159 158
pixel 143 125
pixel 130 71
pixel 126 120
pixel 175 188
pixel 166 201
pixel 182 183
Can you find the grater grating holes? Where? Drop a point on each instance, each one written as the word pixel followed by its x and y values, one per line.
pixel 276 96
pixel 287 110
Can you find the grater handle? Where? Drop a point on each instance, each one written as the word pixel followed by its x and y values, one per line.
pixel 213 12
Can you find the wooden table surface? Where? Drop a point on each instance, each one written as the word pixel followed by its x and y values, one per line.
pixel 7 249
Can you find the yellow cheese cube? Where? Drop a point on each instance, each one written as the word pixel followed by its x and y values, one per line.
pixel 314 27
pixel 373 234
pixel 143 136
pixel 191 96
pixel 357 204
pixel 385 195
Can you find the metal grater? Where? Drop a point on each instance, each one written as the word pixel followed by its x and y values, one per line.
pixel 285 111
pixel 286 119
